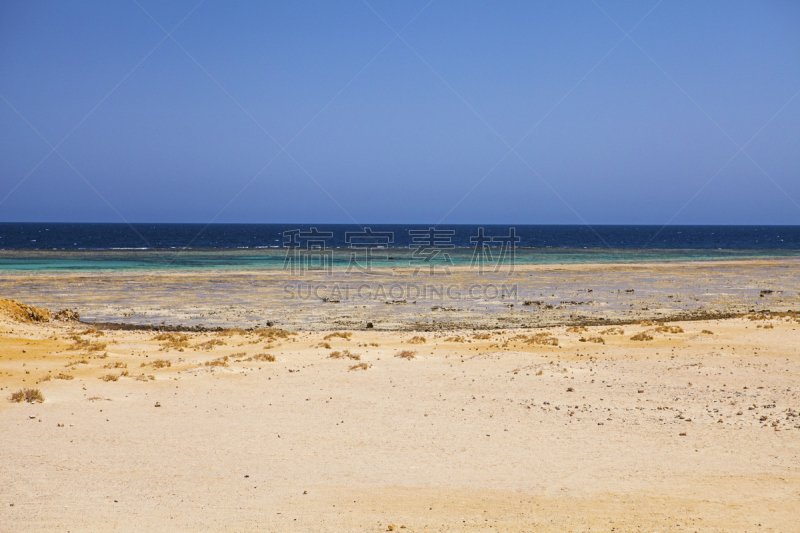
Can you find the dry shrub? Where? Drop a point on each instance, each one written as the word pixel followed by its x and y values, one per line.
pixel 209 345
pixel 707 332
pixel 161 363
pixel 110 377
pixel 231 332
pixel 171 340
pixel 116 364
pixel 613 331
pixel 458 338
pixel 360 366
pixel 323 345
pixel 268 357
pixel 343 354
pixel 86 344
pixel 646 323
pixel 273 333
pixel 92 331
pixel 27 395
pixel 406 354
pixel 416 340
pixel 669 329
pixel 482 336
pixel 766 326
pixel 341 334
pixel 768 315
pixel 96 347
pixel 23 313
pixel 142 377
pixel 67 315
pixel 598 340
pixel 542 339
pixel 64 376
pixel 220 361
pixel 643 336
pixel 577 329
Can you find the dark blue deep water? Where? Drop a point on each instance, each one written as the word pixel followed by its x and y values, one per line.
pixel 58 246
pixel 58 236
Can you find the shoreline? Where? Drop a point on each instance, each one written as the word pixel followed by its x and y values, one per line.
pixel 396 299
pixel 688 317
pixel 164 260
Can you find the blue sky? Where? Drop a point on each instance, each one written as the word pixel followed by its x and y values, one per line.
pixel 319 112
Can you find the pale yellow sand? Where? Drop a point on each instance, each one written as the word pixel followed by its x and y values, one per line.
pixel 489 434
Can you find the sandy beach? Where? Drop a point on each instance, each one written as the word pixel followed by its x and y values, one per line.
pixel 665 425
pixel 418 267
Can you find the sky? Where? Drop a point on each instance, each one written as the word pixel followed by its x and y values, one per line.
pixel 377 111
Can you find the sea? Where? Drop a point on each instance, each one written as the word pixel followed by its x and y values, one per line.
pixel 119 246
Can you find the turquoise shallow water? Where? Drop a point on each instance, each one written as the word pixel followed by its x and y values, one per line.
pixel 272 259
